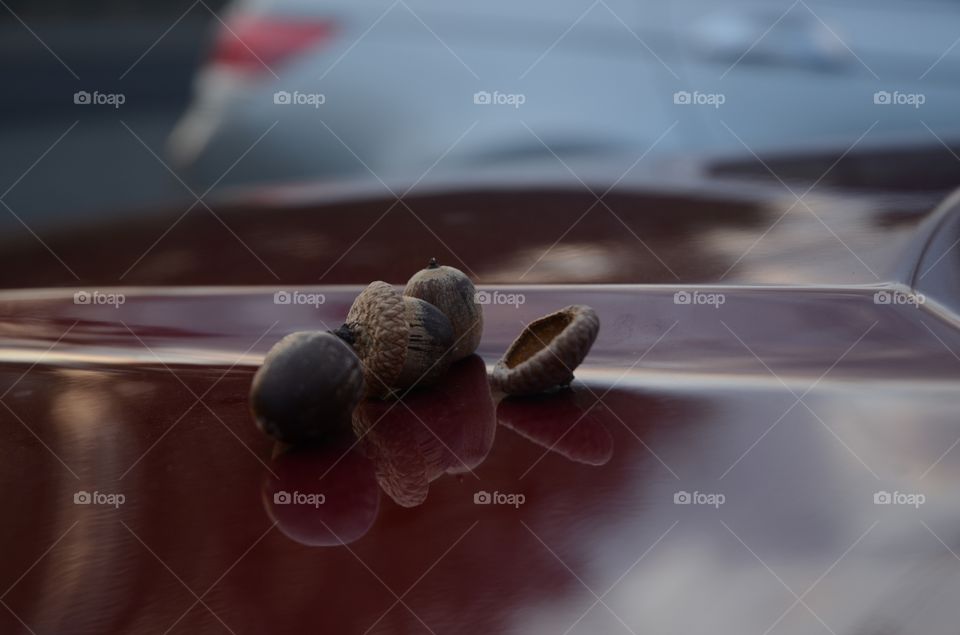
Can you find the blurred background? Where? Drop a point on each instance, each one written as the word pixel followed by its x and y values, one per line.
pixel 114 109
pixel 51 50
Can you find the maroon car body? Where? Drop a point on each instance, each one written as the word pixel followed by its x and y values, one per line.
pixel 761 440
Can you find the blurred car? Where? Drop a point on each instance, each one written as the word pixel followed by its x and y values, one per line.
pixel 394 86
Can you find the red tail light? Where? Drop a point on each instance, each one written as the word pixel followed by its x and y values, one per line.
pixel 257 44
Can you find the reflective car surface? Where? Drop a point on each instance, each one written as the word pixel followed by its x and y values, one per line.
pixel 732 457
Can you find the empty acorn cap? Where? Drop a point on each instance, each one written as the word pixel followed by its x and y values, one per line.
pixel 400 341
pixel 547 352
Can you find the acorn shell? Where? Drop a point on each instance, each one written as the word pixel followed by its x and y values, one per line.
pixel 307 387
pixel 451 291
pixel 401 341
pixel 547 352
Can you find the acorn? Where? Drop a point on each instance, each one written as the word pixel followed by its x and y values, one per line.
pixel 451 291
pixel 547 352
pixel 307 387
pixel 401 341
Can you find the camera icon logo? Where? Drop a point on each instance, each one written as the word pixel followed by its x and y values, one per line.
pixel 282 97
pixel 681 297
pixel 281 297
pixel 481 297
pixel 281 498
pixel 882 498
pixel 82 97
pixel 81 297
pixel 882 97
pixel 482 498
pixel 482 97
pixel 882 297
pixel 682 97
pixel 82 498
pixel 682 498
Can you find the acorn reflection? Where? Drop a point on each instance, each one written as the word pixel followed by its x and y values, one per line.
pixel 569 422
pixel 447 429
pixel 322 495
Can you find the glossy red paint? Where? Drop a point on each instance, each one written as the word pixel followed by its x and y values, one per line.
pixel 717 458
pixel 796 405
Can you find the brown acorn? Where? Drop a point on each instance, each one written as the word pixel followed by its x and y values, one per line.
pixel 307 387
pixel 547 351
pixel 401 341
pixel 451 291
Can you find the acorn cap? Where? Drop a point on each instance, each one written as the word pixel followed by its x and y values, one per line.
pixel 547 352
pixel 378 324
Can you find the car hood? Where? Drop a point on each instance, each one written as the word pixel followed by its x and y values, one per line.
pixel 726 447
pixel 730 457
